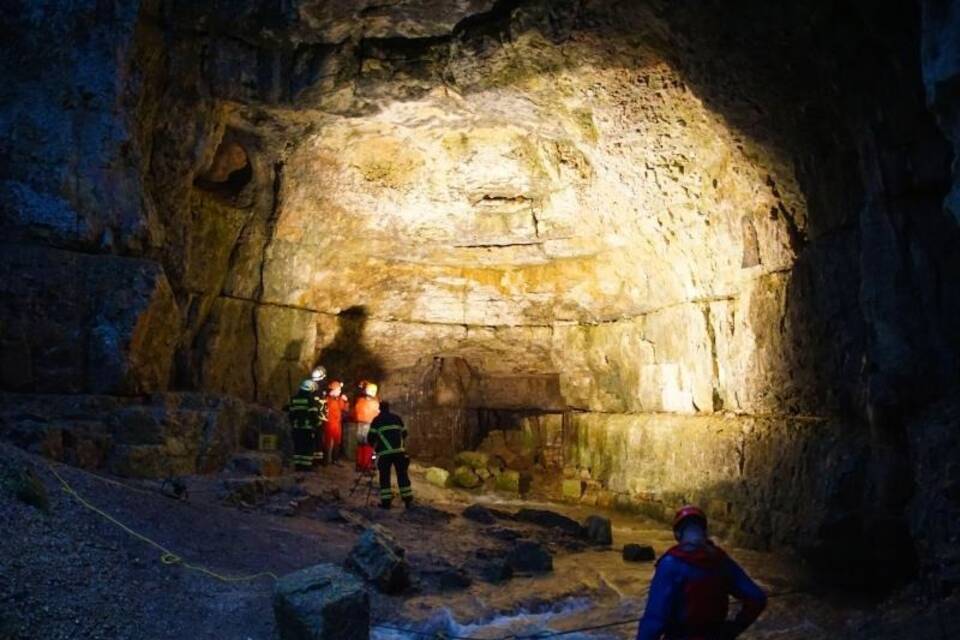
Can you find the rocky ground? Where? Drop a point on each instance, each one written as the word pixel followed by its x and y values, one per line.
pixel 70 573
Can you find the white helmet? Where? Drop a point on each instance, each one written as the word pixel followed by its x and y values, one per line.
pixel 318 374
pixel 308 385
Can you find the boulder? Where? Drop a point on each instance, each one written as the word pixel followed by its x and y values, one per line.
pixel 552 520
pixel 464 477
pixel 572 489
pixel 489 565
pixel 474 459
pixel 257 463
pixel 638 553
pixel 479 513
pixel 530 556
pixel 321 602
pixel 437 477
pixel 28 488
pixel 380 560
pixel 439 576
pixel 508 482
pixel 598 530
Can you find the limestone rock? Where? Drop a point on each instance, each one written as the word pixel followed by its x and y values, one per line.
pixel 530 556
pixel 638 553
pixel 598 530
pixel 465 477
pixel 572 489
pixel 257 463
pixel 380 560
pixel 476 460
pixel 550 520
pixel 479 513
pixel 508 482
pixel 84 323
pixel 489 566
pixel 319 603
pixel 437 477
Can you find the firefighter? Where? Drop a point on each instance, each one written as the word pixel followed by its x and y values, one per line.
pixel 388 437
pixel 336 405
pixel 689 595
pixel 304 413
pixel 318 375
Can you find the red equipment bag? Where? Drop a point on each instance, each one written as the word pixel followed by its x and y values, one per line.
pixel 365 458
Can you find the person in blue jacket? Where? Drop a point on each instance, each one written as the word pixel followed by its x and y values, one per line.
pixel 689 594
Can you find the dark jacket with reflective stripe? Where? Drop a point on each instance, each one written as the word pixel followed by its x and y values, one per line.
pixel 304 410
pixel 387 434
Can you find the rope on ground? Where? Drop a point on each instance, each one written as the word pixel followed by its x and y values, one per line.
pixel 167 556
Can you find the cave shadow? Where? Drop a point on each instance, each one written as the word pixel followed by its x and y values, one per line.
pixel 347 358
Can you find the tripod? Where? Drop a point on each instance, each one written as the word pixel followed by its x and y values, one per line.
pixel 370 475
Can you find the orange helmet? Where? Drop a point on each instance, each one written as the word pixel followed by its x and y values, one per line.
pixel 686 513
pixel 335 385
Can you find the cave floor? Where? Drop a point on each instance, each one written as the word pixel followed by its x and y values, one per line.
pixel 75 575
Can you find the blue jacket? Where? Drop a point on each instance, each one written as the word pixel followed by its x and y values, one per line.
pixel 689 596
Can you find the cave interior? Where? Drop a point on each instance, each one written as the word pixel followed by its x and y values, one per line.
pixel 705 251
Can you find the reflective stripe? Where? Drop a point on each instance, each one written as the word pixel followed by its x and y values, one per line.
pixel 387 447
pixel 406 491
pixel 386 493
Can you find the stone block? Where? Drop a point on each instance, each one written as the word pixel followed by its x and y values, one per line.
pixel 638 553
pixel 508 482
pixel 479 513
pixel 257 463
pixel 380 560
pixel 474 459
pixel 551 520
pixel 599 530
pixel 530 556
pixel 465 477
pixel 489 566
pixel 322 602
pixel 437 477
pixel 572 489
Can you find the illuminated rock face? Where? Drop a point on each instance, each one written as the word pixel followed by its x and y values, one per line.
pixel 687 227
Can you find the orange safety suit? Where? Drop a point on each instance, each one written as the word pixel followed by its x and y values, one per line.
pixel 365 409
pixel 333 427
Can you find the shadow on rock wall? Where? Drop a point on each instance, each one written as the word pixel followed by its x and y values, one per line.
pixel 347 358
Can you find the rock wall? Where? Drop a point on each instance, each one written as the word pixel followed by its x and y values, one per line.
pixel 680 220
pixel 167 435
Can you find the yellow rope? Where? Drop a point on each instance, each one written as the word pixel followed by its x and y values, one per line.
pixel 167 556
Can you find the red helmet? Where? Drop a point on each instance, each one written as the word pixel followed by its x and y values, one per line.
pixel 687 512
